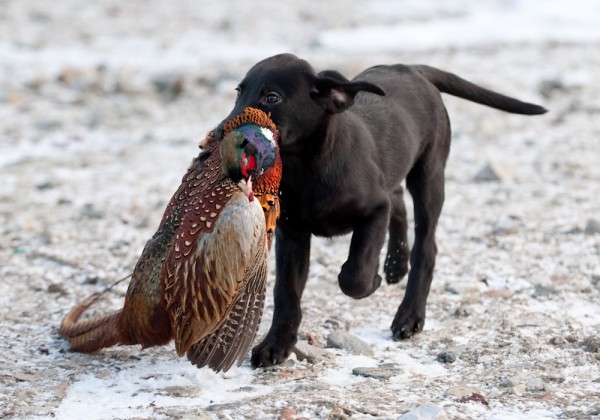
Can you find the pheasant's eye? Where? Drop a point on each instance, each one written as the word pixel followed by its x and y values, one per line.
pixel 272 98
pixel 244 143
pixel 238 90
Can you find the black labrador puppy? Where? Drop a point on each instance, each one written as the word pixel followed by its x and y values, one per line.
pixel 346 147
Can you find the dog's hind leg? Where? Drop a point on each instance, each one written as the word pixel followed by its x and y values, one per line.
pixel 396 260
pixel 426 185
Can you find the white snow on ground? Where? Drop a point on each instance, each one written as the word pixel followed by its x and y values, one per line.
pixel 411 26
pixel 90 152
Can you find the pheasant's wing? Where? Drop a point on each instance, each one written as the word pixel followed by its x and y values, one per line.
pixel 234 337
pixel 205 271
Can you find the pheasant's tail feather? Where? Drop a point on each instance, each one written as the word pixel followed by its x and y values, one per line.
pixel 93 334
pixel 232 340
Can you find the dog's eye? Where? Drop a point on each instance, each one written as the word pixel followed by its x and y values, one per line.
pixel 272 98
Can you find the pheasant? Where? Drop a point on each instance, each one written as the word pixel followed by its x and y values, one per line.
pixel 201 278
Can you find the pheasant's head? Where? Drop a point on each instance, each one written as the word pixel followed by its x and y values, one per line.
pixel 246 152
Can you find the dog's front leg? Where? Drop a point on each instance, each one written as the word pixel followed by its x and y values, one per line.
pixel 292 251
pixel 358 277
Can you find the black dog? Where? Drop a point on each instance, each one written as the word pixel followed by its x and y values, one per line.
pixel 345 155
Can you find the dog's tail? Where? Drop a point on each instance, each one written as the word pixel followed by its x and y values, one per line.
pixel 456 86
pixel 93 334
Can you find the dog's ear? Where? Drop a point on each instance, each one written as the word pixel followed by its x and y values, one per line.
pixel 337 93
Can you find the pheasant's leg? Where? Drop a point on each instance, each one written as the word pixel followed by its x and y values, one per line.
pixel 426 185
pixel 358 277
pixel 292 250
pixel 396 260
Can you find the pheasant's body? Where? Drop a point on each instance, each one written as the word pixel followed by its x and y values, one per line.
pixel 201 279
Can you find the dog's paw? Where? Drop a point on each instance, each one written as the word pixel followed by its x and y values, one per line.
pixel 406 324
pixel 356 283
pixel 271 352
pixel 395 268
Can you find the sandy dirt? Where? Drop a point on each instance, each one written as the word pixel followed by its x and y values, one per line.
pixel 101 109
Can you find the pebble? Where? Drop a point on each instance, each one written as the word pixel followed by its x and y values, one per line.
pixel 427 411
pixel 522 382
pixel 493 172
pixel 543 291
pixel 351 343
pixel 507 225
pixel 311 387
pixel 446 357
pixel 311 354
pixel 591 344
pixel 227 406
pixel 376 372
pixel 592 227
pixel 180 391
pixel 459 391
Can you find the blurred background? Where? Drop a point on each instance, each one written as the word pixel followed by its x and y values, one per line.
pixel 103 103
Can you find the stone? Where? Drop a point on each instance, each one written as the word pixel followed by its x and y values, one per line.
pixel 446 357
pixel 311 354
pixel 376 372
pixel 592 227
pixel 507 225
pixel 427 411
pixel 591 344
pixel 459 391
pixel 493 172
pixel 227 406
pixel 311 387
pixel 543 291
pixel 351 343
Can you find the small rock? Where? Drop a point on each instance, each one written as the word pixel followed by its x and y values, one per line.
pixel 288 363
pixel 180 391
pixel 543 291
pixel 311 354
pixel 507 225
pixel 446 357
pixel 56 288
pixel 459 391
pixel 89 212
pixel 592 227
pixel 535 385
pixel 591 344
pixel 227 406
pixel 519 390
pixel 376 372
pixel 549 87
pixel 333 324
pixel 170 86
pixel 427 411
pixel 493 172
pixel 350 343
pixel 512 381
pixel 287 413
pixel 311 387
pixel 45 185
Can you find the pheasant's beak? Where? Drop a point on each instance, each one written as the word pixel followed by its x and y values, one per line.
pixel 246 187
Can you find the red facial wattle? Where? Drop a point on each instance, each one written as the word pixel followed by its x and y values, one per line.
pixel 248 163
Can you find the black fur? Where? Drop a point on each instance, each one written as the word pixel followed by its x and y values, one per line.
pixel 346 147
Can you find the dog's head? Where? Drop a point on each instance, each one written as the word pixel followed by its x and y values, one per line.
pixel 298 99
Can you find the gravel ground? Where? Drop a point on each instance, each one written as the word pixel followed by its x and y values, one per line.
pixel 101 108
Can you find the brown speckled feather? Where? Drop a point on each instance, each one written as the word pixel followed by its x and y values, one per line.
pixel 234 337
